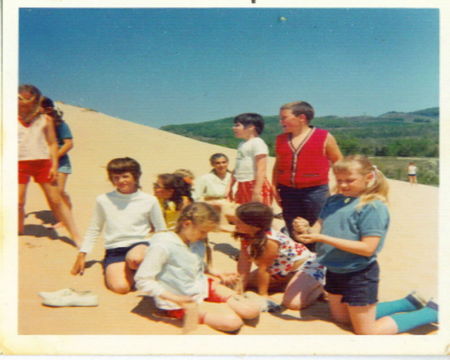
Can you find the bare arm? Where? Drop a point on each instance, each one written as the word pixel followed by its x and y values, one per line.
pixel 365 247
pixel 50 136
pixel 275 182
pixel 264 262
pixel 67 146
pixel 244 266
pixel 332 150
pixel 229 188
pixel 260 176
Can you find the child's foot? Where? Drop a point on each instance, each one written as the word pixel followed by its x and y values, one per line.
pixel 416 299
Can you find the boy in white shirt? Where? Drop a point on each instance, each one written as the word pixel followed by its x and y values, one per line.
pixel 127 215
pixel 251 162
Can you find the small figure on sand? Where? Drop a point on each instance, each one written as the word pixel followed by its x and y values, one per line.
pixel 126 215
pixel 303 156
pixel 38 158
pixel 282 263
pixel 174 194
pixel 251 162
pixel 213 186
pixel 65 144
pixel 176 291
pixel 412 173
pixel 352 228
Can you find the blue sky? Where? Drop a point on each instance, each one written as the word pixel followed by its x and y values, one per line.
pixel 168 66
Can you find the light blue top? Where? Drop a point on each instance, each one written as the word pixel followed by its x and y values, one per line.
pixel 171 265
pixel 342 220
pixel 63 132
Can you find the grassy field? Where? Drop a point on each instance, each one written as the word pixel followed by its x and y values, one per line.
pixel 396 168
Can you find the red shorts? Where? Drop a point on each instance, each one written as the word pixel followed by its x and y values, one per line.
pixel 38 169
pixel 245 189
pixel 213 296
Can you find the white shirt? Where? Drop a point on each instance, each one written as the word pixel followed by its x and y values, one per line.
pixel 210 185
pixel 245 169
pixel 125 219
pixel 171 265
pixel 32 141
pixel 412 170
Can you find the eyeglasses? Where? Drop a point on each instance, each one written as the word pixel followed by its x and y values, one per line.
pixel 157 186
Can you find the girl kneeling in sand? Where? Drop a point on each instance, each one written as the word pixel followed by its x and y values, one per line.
pixel 353 225
pixel 173 272
pixel 127 215
pixel 281 262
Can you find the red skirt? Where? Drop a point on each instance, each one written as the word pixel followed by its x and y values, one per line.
pixel 245 190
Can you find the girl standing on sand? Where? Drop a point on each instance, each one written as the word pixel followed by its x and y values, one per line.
pixel 38 158
pixel 173 272
pixel 65 144
pixel 354 223
pixel 281 262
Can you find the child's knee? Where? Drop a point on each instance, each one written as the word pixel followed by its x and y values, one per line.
pixel 119 287
pixel 231 322
pixel 133 262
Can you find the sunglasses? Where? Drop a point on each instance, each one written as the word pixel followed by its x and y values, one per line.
pixel 25 100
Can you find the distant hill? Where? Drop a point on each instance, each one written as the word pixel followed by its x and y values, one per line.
pixel 413 134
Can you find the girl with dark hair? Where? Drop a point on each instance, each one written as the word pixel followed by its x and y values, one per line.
pixel 282 263
pixel 174 194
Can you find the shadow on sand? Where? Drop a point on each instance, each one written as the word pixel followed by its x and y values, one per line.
pixel 147 309
pixel 42 231
pixel 319 311
pixel 227 249
pixel 46 216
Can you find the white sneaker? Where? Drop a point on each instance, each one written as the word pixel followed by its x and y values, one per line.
pixel 62 292
pixel 69 297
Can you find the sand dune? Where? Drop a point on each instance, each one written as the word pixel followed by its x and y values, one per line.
pixel 408 261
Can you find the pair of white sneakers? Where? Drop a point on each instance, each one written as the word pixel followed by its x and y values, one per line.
pixel 68 297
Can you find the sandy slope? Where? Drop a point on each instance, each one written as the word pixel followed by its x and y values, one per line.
pixel 408 261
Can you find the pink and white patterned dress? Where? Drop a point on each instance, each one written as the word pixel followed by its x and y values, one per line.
pixel 290 252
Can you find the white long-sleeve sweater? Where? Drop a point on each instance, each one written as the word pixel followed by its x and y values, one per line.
pixel 125 219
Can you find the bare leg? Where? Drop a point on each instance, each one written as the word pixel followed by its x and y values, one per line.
pixel 364 323
pixel 135 256
pixel 220 316
pixel 22 196
pixel 243 307
pixel 339 310
pixel 301 291
pixel 61 210
pixel 119 278
pixel 62 181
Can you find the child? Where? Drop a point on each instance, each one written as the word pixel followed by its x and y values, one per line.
pixel 281 261
pixel 173 272
pixel 127 215
pixel 213 186
pixel 303 154
pixel 251 162
pixel 65 144
pixel 412 173
pixel 173 194
pixel 38 158
pixel 353 225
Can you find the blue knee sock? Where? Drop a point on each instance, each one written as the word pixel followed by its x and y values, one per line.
pixel 413 319
pixel 406 304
